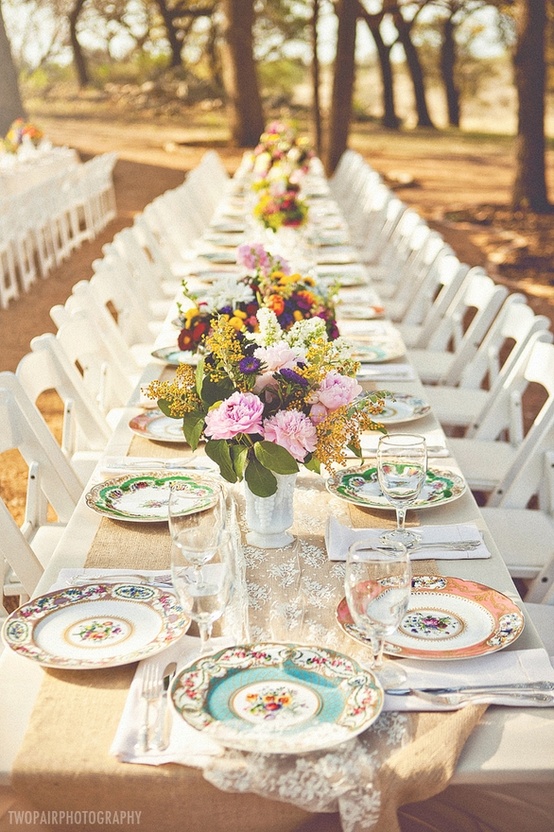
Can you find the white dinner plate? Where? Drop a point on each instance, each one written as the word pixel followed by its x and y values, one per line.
pixel 448 618
pixel 97 625
pixel 402 407
pixel 157 426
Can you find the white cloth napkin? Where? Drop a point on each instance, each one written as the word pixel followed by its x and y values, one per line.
pixel 339 537
pixel 187 745
pixel 505 667
pixel 386 372
pixel 434 438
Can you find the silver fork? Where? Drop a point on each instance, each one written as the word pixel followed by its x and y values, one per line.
pixel 451 545
pixel 151 692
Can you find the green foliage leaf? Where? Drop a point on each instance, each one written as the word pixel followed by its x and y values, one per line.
pixel 275 457
pixel 193 425
pixel 313 464
pixel 356 449
pixel 218 450
pixel 212 393
pixel 260 480
pixel 239 456
pixel 165 407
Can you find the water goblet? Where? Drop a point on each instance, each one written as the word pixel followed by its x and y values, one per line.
pixel 204 592
pixel 401 470
pixel 196 534
pixel 377 585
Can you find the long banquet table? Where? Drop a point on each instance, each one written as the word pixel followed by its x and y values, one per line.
pixel 57 726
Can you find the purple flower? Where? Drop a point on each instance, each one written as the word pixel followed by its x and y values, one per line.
pixel 293 431
pixel 293 377
pixel 240 413
pixel 249 365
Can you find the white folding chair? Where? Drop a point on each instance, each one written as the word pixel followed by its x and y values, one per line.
pixel 454 343
pixel 506 339
pixel 497 445
pixel 52 483
pixel 9 288
pixel 85 431
pixel 157 289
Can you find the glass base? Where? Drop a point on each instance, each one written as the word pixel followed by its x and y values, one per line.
pixel 405 536
pixel 391 675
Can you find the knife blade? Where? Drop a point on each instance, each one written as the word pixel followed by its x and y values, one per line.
pixel 163 719
pixel 531 693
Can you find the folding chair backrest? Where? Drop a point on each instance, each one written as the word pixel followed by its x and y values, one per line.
pixel 20 569
pixel 435 297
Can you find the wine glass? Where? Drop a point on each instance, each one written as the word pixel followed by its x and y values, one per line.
pixel 377 586
pixel 401 470
pixel 196 534
pixel 205 591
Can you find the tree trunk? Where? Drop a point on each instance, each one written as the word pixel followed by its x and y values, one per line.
pixel 529 190
pixel 316 98
pixel 343 83
pixel 416 72
pixel 241 81
pixel 389 119
pixel 448 66
pixel 175 44
pixel 11 105
pixel 81 69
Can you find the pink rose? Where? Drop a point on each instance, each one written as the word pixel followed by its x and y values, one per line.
pixel 318 413
pixel 240 413
pixel 293 431
pixel 336 390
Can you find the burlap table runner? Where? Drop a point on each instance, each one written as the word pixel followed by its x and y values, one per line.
pixel 64 763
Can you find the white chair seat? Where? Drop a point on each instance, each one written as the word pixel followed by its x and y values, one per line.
pixel 456 405
pixel 483 463
pixel 524 537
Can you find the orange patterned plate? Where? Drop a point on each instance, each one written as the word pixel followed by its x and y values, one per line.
pixel 448 618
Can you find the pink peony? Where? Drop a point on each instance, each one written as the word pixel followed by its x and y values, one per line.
pixel 337 390
pixel 240 413
pixel 274 359
pixel 318 413
pixel 293 431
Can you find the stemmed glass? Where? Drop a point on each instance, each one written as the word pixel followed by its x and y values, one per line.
pixel 377 586
pixel 196 534
pixel 401 470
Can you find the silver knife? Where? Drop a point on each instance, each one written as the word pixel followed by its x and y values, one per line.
pixel 537 693
pixel 163 719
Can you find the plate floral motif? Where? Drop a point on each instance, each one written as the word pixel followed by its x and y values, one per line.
pixel 158 427
pixel 362 487
pixel 96 625
pixel 143 498
pixel 448 618
pixel 279 698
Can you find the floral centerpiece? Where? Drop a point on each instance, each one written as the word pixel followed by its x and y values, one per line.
pixel 268 283
pixel 20 131
pixel 280 144
pixel 280 204
pixel 267 401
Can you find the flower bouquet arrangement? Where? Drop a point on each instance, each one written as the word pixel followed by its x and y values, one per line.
pixel 280 144
pixel 268 284
pixel 280 204
pixel 20 131
pixel 267 401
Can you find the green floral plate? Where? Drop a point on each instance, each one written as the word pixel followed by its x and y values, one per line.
pixel 360 486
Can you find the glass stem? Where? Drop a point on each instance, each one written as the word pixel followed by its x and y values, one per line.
pixel 377 645
pixel 205 629
pixel 400 519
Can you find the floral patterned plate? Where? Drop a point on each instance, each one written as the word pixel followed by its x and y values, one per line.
pixel 277 698
pixel 143 498
pixel 96 625
pixel 157 426
pixel 362 487
pixel 402 407
pixel 378 351
pixel 174 356
pixel 448 618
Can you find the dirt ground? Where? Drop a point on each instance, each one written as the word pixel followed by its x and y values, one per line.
pixel 457 187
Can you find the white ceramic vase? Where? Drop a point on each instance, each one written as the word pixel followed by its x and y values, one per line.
pixel 269 518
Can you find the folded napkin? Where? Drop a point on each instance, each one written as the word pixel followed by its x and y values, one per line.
pixel 386 372
pixel 436 448
pixel 187 745
pixel 508 667
pixel 339 537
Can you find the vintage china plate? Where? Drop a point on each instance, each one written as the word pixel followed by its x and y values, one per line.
pixel 402 407
pixel 448 618
pixel 157 426
pixel 330 256
pixel 277 698
pixel 381 350
pixel 96 625
pixel 362 312
pixel 173 356
pixel 143 498
pixel 361 486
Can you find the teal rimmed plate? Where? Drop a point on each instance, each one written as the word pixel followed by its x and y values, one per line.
pixel 360 486
pixel 100 624
pixel 144 498
pixel 173 356
pixel 277 698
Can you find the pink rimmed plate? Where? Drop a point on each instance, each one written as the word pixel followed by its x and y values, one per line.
pixel 448 618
